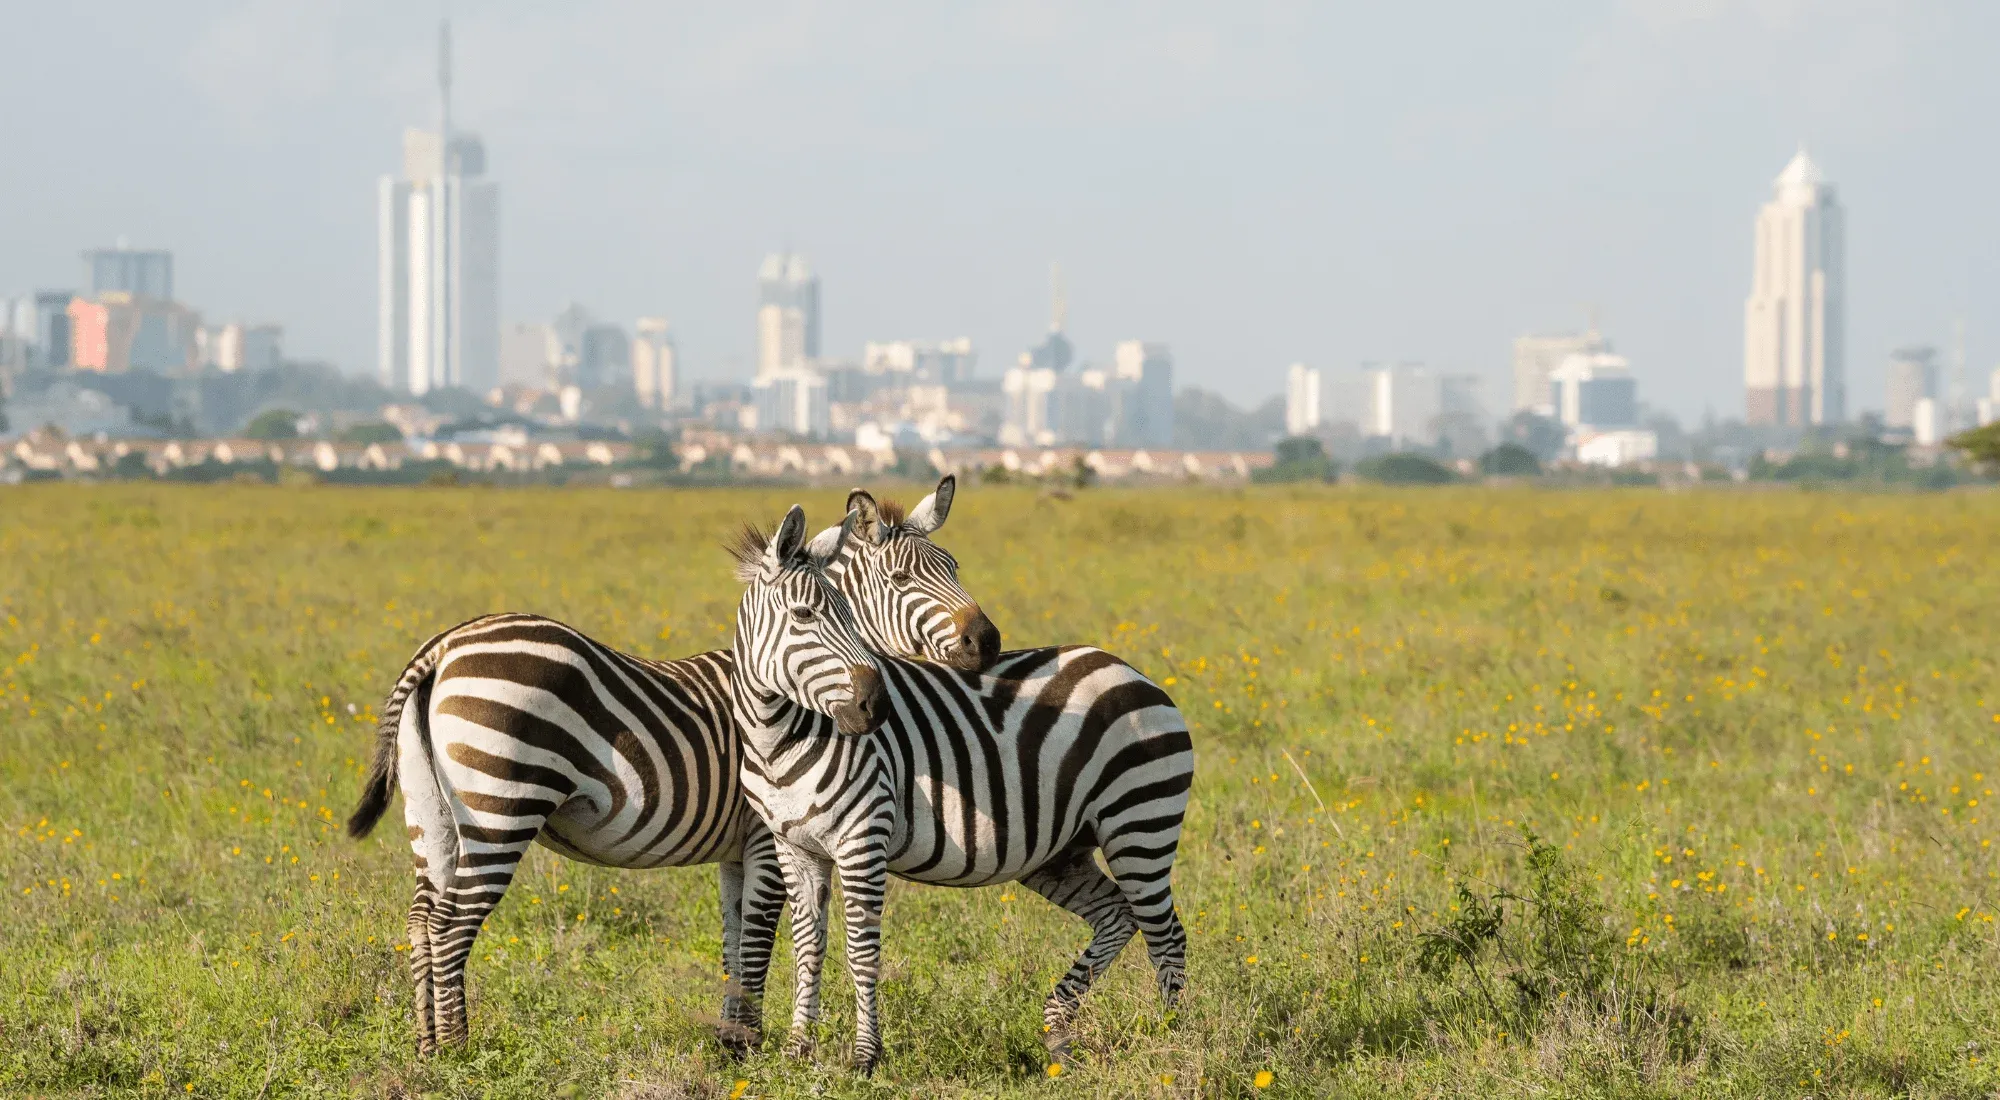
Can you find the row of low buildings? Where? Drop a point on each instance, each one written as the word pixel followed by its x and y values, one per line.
pixel 53 454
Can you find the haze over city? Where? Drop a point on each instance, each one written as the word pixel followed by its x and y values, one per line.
pixel 1254 188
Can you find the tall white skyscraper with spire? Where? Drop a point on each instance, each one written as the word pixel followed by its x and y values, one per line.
pixel 438 249
pixel 1795 321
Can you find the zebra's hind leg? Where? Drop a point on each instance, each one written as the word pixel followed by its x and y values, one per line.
pixel 434 854
pixel 807 883
pixel 486 864
pixel 1074 882
pixel 419 925
pixel 1145 875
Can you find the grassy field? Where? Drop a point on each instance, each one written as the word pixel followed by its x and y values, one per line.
pixel 1754 733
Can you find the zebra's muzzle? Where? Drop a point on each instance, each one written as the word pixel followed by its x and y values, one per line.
pixel 864 710
pixel 978 641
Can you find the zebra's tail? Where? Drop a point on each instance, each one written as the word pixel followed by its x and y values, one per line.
pixel 382 777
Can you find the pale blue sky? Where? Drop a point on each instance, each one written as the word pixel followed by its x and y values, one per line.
pixel 1252 184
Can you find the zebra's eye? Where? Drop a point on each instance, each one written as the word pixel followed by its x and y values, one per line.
pixel 803 614
pixel 900 576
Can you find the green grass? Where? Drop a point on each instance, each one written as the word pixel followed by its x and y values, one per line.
pixel 1756 726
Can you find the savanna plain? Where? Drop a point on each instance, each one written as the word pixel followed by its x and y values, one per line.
pixel 1499 792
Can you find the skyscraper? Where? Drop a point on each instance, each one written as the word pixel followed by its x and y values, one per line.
pixel 787 312
pixel 1537 357
pixel 1794 338
pixel 1143 389
pixel 1305 410
pixel 438 272
pixel 148 273
pixel 1913 379
pixel 653 363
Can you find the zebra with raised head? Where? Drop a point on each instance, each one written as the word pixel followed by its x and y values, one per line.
pixel 971 780
pixel 904 588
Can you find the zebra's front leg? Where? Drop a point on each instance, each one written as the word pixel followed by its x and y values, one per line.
pixel 763 903
pixel 864 878
pixel 807 878
pixel 730 1030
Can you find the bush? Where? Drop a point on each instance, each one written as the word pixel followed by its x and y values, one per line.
pixel 374 431
pixel 1300 458
pixel 1510 460
pixel 1405 468
pixel 273 424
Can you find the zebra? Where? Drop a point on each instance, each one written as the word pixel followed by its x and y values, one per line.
pixel 526 730
pixel 903 587
pixel 523 731
pixel 970 780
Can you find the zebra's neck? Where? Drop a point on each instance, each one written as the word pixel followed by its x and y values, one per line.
pixel 771 723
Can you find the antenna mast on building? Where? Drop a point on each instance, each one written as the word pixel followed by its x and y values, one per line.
pixel 442 370
pixel 1954 411
pixel 1058 300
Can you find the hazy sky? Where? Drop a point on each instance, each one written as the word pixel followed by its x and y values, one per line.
pixel 1251 184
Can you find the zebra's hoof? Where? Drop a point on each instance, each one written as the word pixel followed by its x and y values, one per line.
pixel 865 1067
pixel 799 1046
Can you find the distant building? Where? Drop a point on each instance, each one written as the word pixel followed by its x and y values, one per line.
pixel 781 339
pixel 438 261
pixel 53 346
pixel 653 366
pixel 791 400
pixel 146 273
pixel 787 312
pixel 1620 447
pixel 1404 400
pixel 1913 377
pixel 604 357
pixel 1032 416
pixel 1305 408
pixel 915 362
pixel 1795 321
pixel 1536 357
pixel 1143 395
pixel 529 355
pixel 235 347
pixel 1595 393
pixel 121 332
pixel 1927 427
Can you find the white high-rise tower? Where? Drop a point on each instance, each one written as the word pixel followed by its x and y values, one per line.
pixel 438 248
pixel 1794 324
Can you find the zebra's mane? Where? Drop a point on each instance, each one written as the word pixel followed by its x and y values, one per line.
pixel 748 548
pixel 890 513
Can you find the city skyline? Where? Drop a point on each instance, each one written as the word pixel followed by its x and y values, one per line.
pixel 644 189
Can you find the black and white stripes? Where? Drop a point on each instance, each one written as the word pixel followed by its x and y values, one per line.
pixel 515 729
pixel 1017 774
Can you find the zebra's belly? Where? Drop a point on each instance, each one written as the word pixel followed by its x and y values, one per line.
pixel 983 855
pixel 577 830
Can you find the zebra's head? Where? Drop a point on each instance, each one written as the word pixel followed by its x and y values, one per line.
pixel 904 587
pixel 795 633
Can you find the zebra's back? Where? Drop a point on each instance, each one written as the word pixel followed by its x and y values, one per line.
pixel 632 762
pixel 998 774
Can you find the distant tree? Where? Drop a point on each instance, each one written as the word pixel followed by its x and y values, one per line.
pixel 1299 458
pixel 373 431
pixel 1510 460
pixel 1980 446
pixel 1543 437
pixel 273 424
pixel 1405 468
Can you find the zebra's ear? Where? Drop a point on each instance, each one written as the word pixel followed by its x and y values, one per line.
pixel 867 517
pixel 789 542
pixel 826 546
pixel 930 512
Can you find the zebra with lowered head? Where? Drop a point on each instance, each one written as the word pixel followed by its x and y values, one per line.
pixel 956 778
